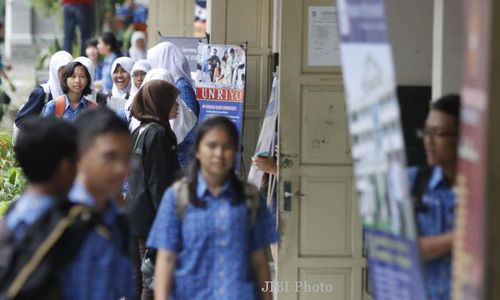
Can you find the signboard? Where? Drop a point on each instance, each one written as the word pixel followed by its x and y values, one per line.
pixel 189 47
pixel 378 152
pixel 469 248
pixel 265 144
pixel 220 82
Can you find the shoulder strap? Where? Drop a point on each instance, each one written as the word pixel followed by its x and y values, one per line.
pixel 46 90
pixel 60 106
pixel 252 199
pixel 420 187
pixel 91 104
pixel 181 190
pixel 139 141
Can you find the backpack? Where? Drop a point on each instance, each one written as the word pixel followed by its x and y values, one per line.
pixel 15 128
pixel 30 264
pixel 60 103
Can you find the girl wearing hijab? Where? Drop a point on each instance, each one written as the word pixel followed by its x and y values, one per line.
pixel 139 70
pixel 75 84
pixel 44 92
pixel 121 71
pixel 166 55
pixel 155 159
pixel 186 119
pixel 138 43
pixel 95 96
pixel 109 48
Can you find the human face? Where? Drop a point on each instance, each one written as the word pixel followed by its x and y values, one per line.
pixel 106 163
pixel 121 78
pixel 141 44
pixel 216 153
pixel 138 78
pixel 93 54
pixel 78 81
pixel 103 48
pixel 173 111
pixel 441 139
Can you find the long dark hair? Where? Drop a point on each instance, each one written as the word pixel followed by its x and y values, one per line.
pixel 192 176
pixel 109 38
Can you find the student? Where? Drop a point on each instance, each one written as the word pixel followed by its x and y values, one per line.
pixel 166 55
pixel 138 44
pixel 139 71
pixel 39 210
pixel 432 189
pixel 212 230
pixel 92 53
pixel 47 91
pixel 104 146
pixel 121 73
pixel 155 155
pixel 75 83
pixel 109 48
pixel 185 119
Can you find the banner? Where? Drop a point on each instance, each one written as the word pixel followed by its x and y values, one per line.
pixel 220 83
pixel 378 152
pixel 469 278
pixel 265 144
pixel 189 47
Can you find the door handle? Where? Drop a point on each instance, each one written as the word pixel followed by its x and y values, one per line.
pixel 287 187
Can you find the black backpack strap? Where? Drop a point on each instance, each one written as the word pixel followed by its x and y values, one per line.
pixel 420 187
pixel 139 140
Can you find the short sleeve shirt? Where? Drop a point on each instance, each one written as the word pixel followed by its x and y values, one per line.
pixel 213 244
pixel 69 113
pixel 437 218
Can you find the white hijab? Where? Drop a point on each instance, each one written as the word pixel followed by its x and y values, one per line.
pixel 134 52
pixel 186 118
pixel 58 60
pixel 140 65
pixel 90 67
pixel 166 55
pixel 126 63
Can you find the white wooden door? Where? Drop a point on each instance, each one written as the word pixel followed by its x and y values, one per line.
pixel 321 231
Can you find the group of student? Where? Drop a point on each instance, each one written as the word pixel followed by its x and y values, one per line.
pixel 151 164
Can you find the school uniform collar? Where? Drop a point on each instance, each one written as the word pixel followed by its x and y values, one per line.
pixel 82 104
pixel 437 178
pixel 79 194
pixel 202 187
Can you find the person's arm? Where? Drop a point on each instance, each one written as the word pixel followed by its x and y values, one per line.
pixel 266 164
pixel 164 269
pixel 432 247
pixel 189 97
pixel 4 75
pixel 261 272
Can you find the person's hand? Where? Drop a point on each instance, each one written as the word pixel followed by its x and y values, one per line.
pixel 265 164
pixel 12 86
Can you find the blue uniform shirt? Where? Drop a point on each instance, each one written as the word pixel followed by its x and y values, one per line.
pixel 187 95
pixel 69 113
pixel 437 219
pixel 213 244
pixel 102 268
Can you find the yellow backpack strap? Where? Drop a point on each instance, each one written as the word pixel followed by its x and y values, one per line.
pixel 181 190
pixel 60 106
pixel 252 199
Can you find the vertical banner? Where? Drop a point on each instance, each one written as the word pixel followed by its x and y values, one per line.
pixel 378 152
pixel 469 248
pixel 220 83
pixel 265 144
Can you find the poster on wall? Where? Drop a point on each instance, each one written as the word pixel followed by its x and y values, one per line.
pixel 323 50
pixel 378 152
pixel 469 280
pixel 220 82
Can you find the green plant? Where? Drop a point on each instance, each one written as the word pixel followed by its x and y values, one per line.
pixel 12 181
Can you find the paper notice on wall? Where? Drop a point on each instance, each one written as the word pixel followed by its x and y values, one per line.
pixel 323 44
